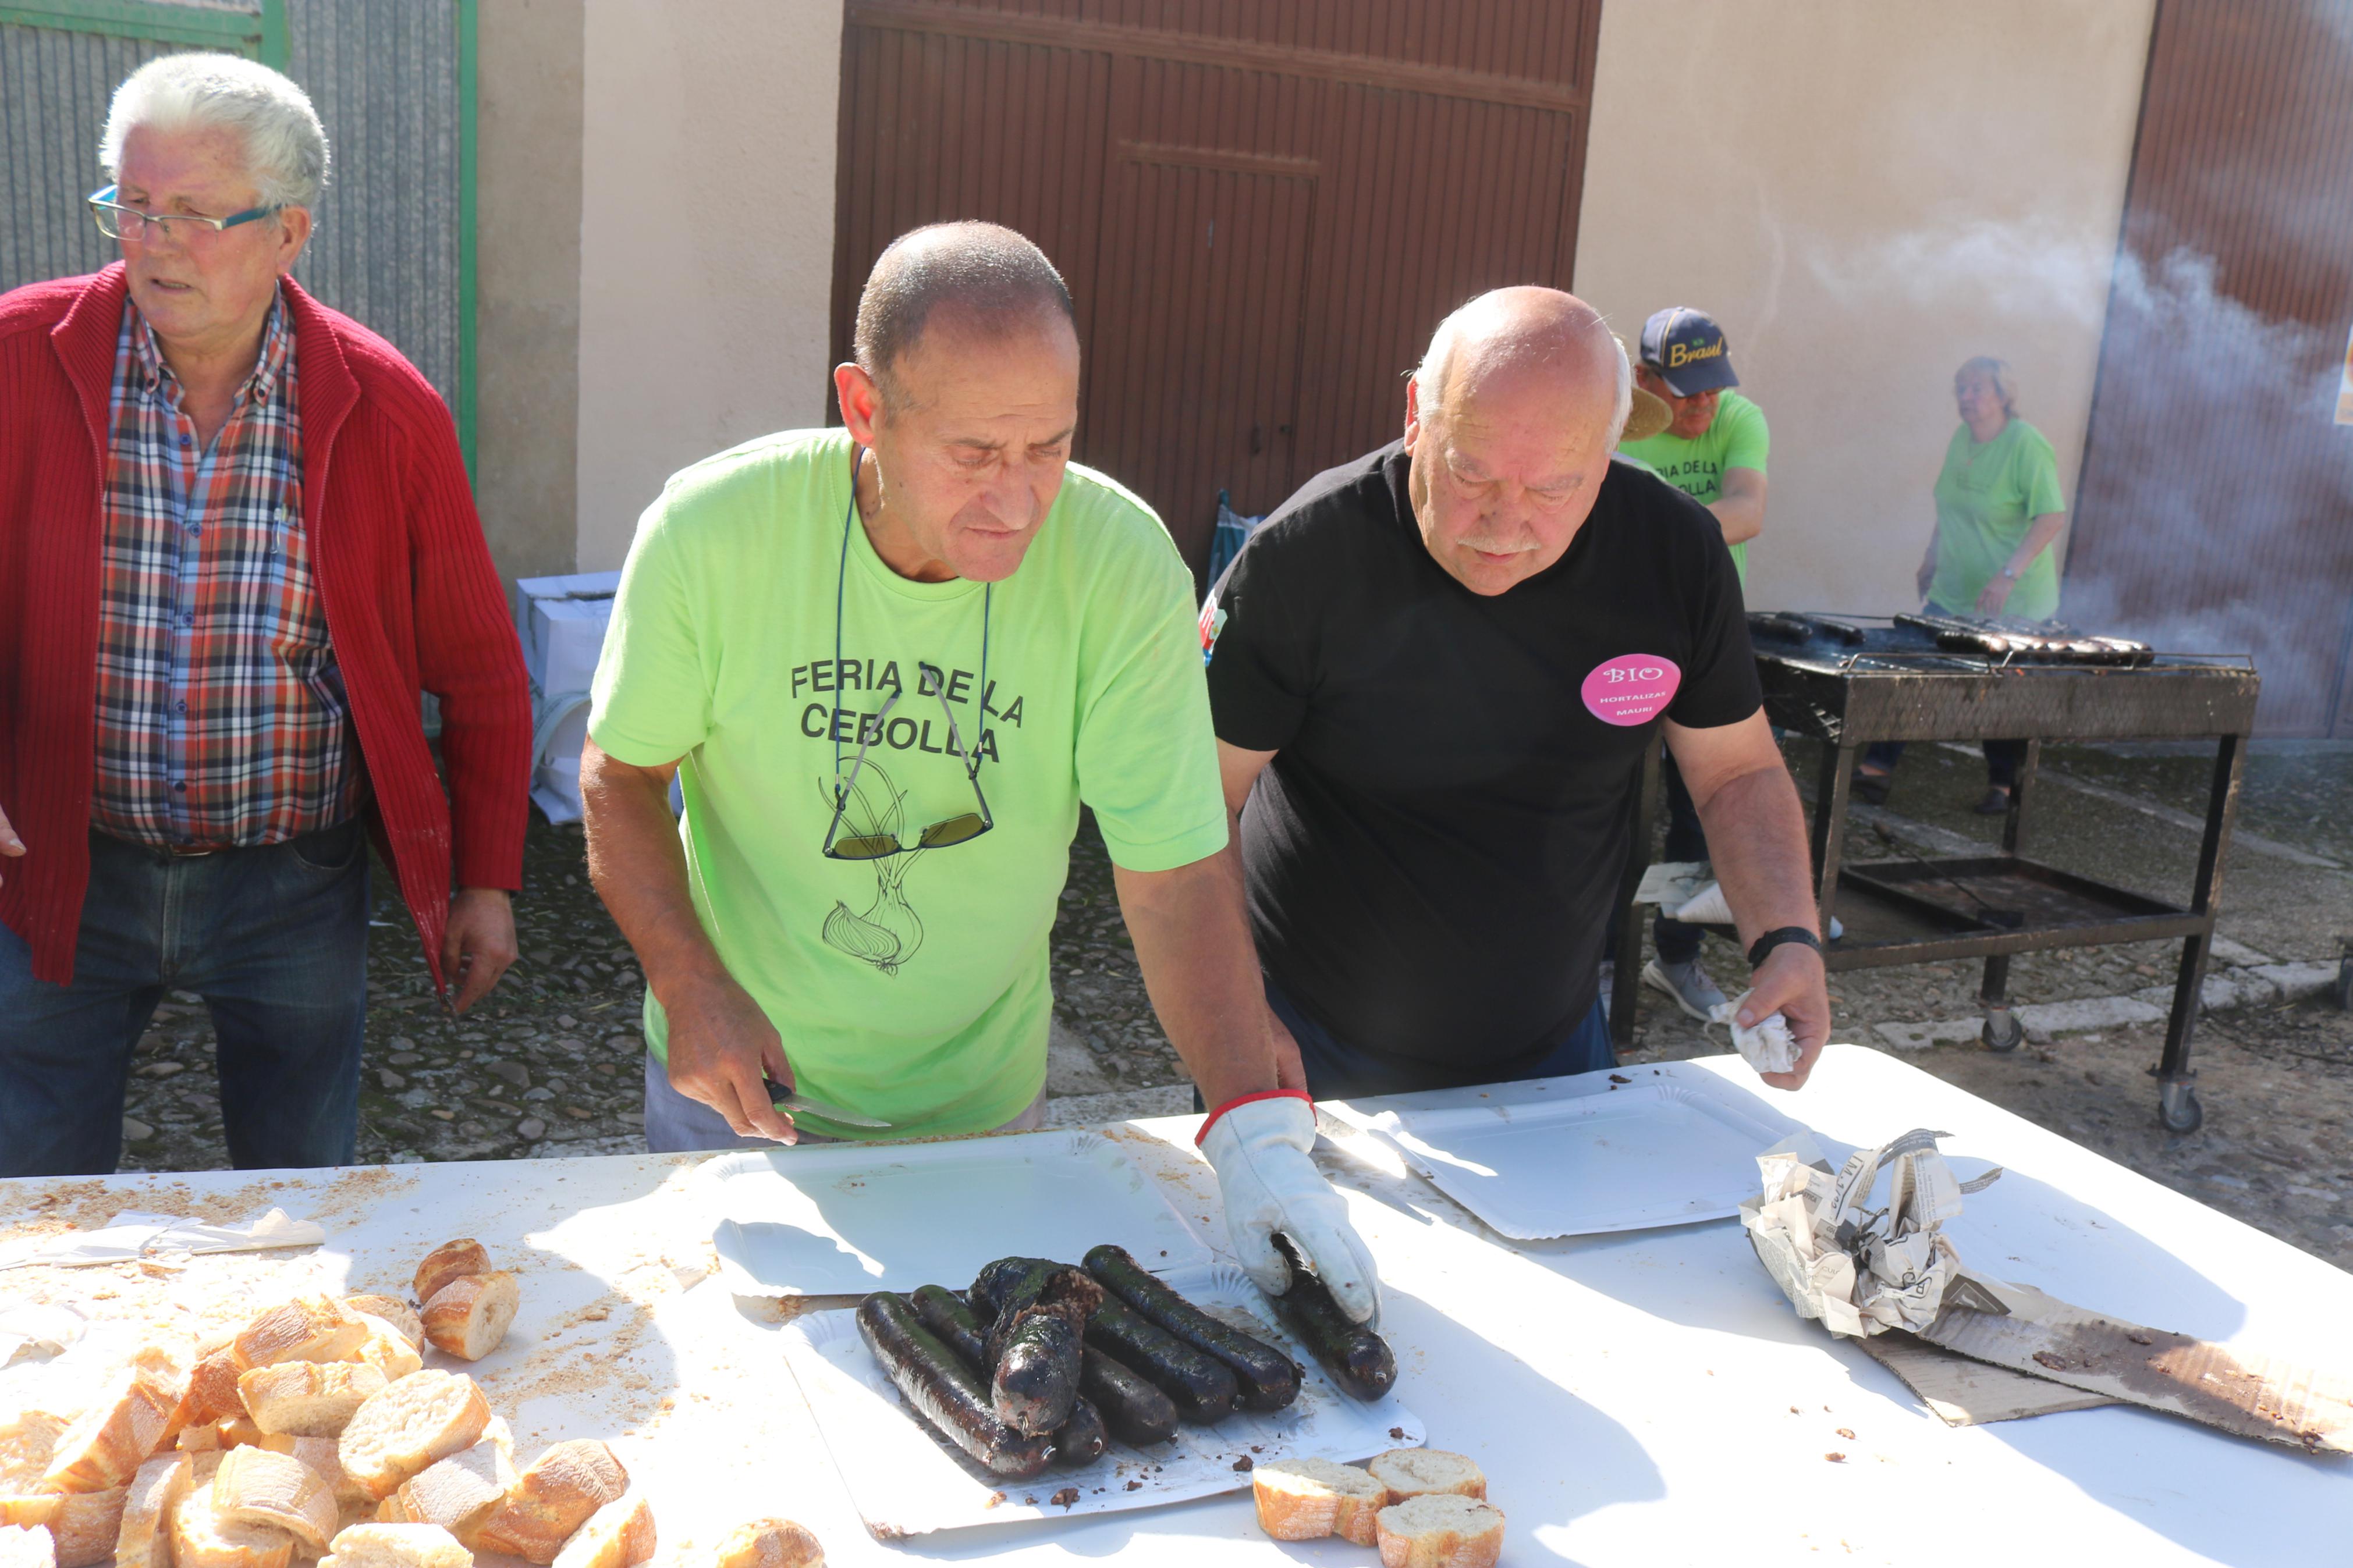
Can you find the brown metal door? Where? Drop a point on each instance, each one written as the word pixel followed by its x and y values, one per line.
pixel 1261 210
pixel 2216 511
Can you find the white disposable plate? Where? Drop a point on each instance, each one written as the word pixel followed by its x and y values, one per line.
pixel 845 1218
pixel 1625 1149
pixel 907 1481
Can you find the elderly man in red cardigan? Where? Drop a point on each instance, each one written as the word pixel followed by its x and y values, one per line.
pixel 236 542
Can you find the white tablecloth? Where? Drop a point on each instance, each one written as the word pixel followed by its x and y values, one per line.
pixel 1641 1398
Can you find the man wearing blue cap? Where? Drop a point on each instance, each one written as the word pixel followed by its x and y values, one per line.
pixel 1713 451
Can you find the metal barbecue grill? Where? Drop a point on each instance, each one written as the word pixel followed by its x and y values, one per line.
pixel 1847 681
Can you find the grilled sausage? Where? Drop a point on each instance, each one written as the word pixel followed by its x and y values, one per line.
pixel 1201 1386
pixel 1035 1384
pixel 1080 1440
pixel 1132 1408
pixel 944 1390
pixel 1359 1360
pixel 1266 1377
pixel 947 1316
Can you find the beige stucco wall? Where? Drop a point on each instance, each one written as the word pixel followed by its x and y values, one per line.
pixel 706 239
pixel 1866 194
pixel 527 291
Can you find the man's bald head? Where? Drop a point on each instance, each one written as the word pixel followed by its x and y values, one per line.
pixel 1527 341
pixel 980 280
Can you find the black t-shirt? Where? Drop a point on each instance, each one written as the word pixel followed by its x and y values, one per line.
pixel 1434 852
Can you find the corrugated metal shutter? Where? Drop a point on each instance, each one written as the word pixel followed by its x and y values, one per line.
pixel 54 89
pixel 2217 504
pixel 1261 210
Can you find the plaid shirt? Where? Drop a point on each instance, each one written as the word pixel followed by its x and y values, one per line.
pixel 222 720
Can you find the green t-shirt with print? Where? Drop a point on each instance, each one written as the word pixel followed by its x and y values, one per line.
pixel 1735 439
pixel 913 987
pixel 1987 496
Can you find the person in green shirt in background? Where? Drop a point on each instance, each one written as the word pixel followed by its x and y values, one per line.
pixel 1999 512
pixel 886 663
pixel 1713 450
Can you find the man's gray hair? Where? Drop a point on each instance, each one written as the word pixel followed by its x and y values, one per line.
pixel 1438 362
pixel 993 279
pixel 285 146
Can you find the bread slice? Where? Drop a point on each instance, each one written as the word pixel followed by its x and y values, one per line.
pixel 1418 1472
pixel 555 1498
pixel 144 1537
pixel 1440 1530
pixel 81 1525
pixel 211 1389
pixel 450 1260
pixel 618 1535
pixel 320 1455
pixel 201 1538
pixel 255 1486
pixel 397 1546
pixel 392 1310
pixel 771 1543
pixel 426 1417
pixel 308 1398
pixel 309 1328
pixel 388 1349
pixel 1306 1500
pixel 242 1433
pixel 125 1424
pixel 27 1546
pixel 460 1494
pixel 469 1317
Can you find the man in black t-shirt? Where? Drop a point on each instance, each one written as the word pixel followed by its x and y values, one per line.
pixel 1433 672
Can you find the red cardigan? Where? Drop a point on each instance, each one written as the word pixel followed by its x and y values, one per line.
pixel 413 605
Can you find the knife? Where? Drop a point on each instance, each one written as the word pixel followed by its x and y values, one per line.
pixel 790 1100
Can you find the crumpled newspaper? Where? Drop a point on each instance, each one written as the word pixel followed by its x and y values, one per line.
pixel 1769 1046
pixel 130 1236
pixel 1862 1270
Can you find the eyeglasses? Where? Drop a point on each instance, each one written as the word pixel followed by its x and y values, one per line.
pixel 958 829
pixel 118 222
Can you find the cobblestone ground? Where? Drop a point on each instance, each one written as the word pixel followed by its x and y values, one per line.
pixel 549 1064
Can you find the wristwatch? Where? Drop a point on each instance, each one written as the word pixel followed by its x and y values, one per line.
pixel 1776 937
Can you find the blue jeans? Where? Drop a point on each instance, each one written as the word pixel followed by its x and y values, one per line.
pixel 275 940
pixel 1337 1070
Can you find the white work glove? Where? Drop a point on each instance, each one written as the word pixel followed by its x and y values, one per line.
pixel 1258 1146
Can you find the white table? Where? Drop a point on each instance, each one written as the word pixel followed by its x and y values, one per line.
pixel 1644 1398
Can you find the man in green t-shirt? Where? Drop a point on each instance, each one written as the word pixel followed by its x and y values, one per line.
pixel 885 664
pixel 1713 451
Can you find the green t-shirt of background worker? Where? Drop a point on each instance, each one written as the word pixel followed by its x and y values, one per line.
pixel 912 987
pixel 1987 496
pixel 1735 439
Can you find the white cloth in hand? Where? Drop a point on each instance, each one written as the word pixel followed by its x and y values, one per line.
pixel 1258 1147
pixel 1768 1045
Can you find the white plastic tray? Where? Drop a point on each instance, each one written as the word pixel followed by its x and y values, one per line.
pixel 844 1219
pixel 906 1481
pixel 1624 1149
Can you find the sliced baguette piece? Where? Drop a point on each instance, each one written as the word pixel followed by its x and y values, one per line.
pixel 212 1390
pixel 1418 1472
pixel 144 1537
pixel 1306 1500
pixel 26 1510
pixel 83 1529
pixel 469 1317
pixel 392 1310
pixel 198 1440
pixel 618 1535
pixel 323 1455
pixel 771 1543
pixel 460 1494
pixel 426 1417
pixel 450 1260
pixel 201 1538
pixel 27 1546
pixel 308 1398
pixel 555 1498
pixel 241 1433
pixel 27 1439
pixel 309 1328
pixel 387 1349
pixel 125 1424
pixel 397 1546
pixel 255 1486
pixel 1440 1530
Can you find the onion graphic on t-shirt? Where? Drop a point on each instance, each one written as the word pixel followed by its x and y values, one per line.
pixel 888 932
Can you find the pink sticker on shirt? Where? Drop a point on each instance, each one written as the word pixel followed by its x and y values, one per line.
pixel 1632 688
